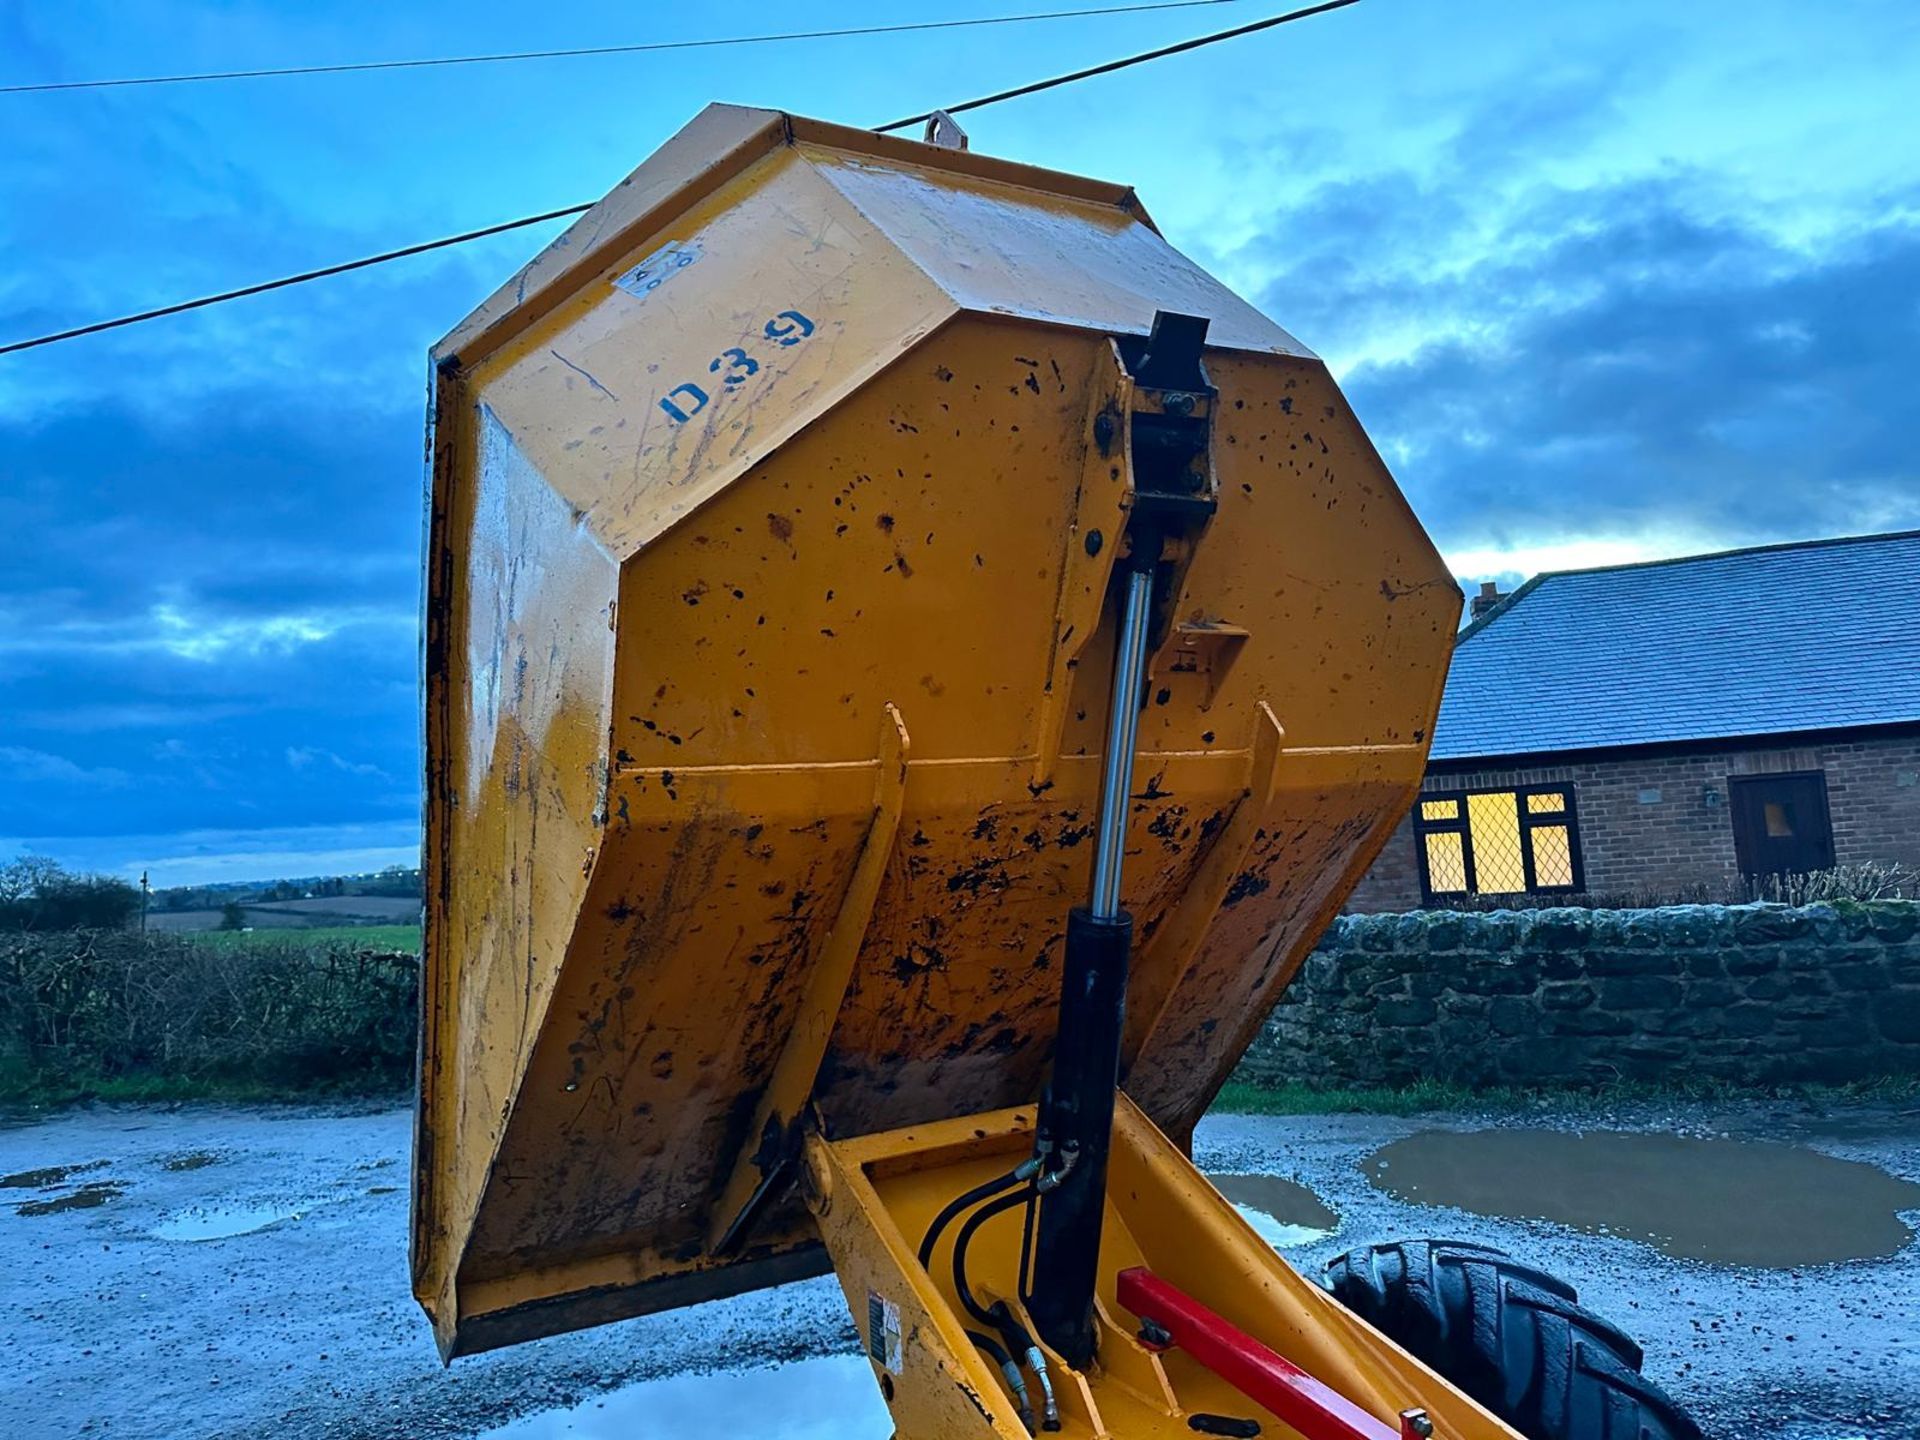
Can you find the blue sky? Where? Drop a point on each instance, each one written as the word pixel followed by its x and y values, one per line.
pixel 1605 281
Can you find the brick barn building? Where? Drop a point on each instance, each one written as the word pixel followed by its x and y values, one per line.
pixel 1650 728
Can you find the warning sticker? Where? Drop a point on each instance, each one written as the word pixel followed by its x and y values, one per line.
pixel 883 1332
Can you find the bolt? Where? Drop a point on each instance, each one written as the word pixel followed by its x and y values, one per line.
pixel 1094 541
pixel 1178 403
pixel 1414 1425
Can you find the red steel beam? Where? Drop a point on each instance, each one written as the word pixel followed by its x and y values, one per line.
pixel 1264 1376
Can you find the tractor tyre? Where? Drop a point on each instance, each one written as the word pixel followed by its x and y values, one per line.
pixel 1513 1337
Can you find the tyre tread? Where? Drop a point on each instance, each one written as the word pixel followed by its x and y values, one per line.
pixel 1512 1336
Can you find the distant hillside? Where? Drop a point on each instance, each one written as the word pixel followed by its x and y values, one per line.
pixel 384 897
pixel 327 911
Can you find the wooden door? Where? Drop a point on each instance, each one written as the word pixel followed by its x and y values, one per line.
pixel 1780 824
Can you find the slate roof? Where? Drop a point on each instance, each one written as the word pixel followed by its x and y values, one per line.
pixel 1823 635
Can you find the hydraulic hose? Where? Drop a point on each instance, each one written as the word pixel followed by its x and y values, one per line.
pixel 1000 1317
pixel 1019 1186
pixel 1020 1341
pixel 1025 1170
pixel 1016 1382
pixel 1021 1285
pixel 974 1221
pixel 1050 1408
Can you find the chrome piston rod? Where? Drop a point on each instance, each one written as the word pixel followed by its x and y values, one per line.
pixel 1123 729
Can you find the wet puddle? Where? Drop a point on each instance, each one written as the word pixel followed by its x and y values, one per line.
pixel 87 1197
pixel 221 1222
pixel 192 1160
pixel 51 1175
pixel 1728 1202
pixel 827 1398
pixel 1282 1212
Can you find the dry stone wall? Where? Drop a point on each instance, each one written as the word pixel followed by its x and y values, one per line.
pixel 1745 994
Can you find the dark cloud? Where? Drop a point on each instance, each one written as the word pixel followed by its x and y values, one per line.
pixel 1669 375
pixel 253 504
pixel 208 613
pixel 209 741
pixel 211 621
pixel 1541 114
pixel 1629 359
pixel 202 599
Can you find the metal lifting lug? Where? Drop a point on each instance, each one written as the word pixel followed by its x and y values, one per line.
pixel 943 130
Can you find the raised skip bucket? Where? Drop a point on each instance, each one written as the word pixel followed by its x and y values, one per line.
pixel 768 640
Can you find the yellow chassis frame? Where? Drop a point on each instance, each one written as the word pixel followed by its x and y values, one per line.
pixel 873 1198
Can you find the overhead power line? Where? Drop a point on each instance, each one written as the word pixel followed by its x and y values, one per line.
pixel 365 261
pixel 285 280
pixel 639 48
pixel 1110 66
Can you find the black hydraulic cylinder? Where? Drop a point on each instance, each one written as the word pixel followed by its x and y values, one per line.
pixel 1078 1115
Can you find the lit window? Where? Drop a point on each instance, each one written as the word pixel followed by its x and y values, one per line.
pixel 1552 858
pixel 1520 841
pixel 1446 863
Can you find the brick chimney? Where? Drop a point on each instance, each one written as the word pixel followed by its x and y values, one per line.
pixel 1488 597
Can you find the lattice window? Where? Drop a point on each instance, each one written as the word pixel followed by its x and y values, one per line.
pixel 1519 841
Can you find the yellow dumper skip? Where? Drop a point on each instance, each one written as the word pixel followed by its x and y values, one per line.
pixel 769 638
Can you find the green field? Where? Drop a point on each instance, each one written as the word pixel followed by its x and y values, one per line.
pixel 363 937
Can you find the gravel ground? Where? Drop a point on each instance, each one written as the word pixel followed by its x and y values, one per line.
pixel 206 1271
